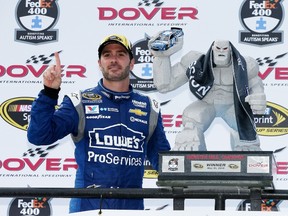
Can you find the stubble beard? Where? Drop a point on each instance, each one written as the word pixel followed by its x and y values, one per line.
pixel 125 73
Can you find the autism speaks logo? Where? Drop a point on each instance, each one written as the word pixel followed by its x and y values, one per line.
pixel 36 18
pixel 261 20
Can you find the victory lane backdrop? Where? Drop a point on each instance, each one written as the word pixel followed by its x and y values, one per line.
pixel 32 30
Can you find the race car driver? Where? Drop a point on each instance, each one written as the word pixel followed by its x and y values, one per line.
pixel 113 127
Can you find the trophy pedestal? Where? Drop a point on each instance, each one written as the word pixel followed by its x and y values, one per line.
pixel 216 168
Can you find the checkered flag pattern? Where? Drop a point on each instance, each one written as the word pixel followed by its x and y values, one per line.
pixel 157 3
pixel 269 61
pixel 42 151
pixel 40 59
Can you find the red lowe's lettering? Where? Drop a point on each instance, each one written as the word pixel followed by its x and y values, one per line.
pixel 171 13
pixel 24 70
pixel 50 164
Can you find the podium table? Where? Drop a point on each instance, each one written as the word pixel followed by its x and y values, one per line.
pixel 222 173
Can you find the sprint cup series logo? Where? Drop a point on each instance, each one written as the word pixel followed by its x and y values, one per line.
pixel 261 19
pixel 16 111
pixel 36 18
pixel 274 122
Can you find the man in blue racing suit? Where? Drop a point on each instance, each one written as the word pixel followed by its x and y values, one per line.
pixel 114 128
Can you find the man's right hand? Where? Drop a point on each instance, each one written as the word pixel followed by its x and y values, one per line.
pixel 52 75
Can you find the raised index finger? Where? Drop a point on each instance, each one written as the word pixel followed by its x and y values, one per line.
pixel 57 61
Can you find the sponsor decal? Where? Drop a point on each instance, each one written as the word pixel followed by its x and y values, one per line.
pixel 133 140
pixel 121 97
pixel 39 206
pixel 198 166
pixel 215 166
pixel 258 164
pixel 35 67
pixel 233 166
pixel 91 96
pixel 74 95
pixel 36 19
pixel 173 164
pixel 274 122
pixel 35 164
pixel 149 172
pixel 273 70
pixel 17 164
pixel 133 119
pixel 270 204
pixel 155 103
pixel 110 158
pixel 266 205
pixel 172 120
pixel 261 20
pixel 109 109
pixel 140 104
pixel 98 117
pixel 141 78
pixel 138 112
pixel 146 13
pixel 92 109
pixel 282 169
pixel 16 111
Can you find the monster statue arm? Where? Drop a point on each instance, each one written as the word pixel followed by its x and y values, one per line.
pixel 256 97
pixel 167 77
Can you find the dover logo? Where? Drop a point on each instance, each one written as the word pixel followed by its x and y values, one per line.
pixel 147 10
pixel 35 19
pixel 261 19
pixel 274 122
pixel 16 111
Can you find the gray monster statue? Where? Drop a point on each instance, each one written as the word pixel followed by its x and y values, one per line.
pixel 226 85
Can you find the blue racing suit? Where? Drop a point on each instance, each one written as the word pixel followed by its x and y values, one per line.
pixel 113 134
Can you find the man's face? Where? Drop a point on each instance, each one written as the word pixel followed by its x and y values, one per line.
pixel 115 62
pixel 221 52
